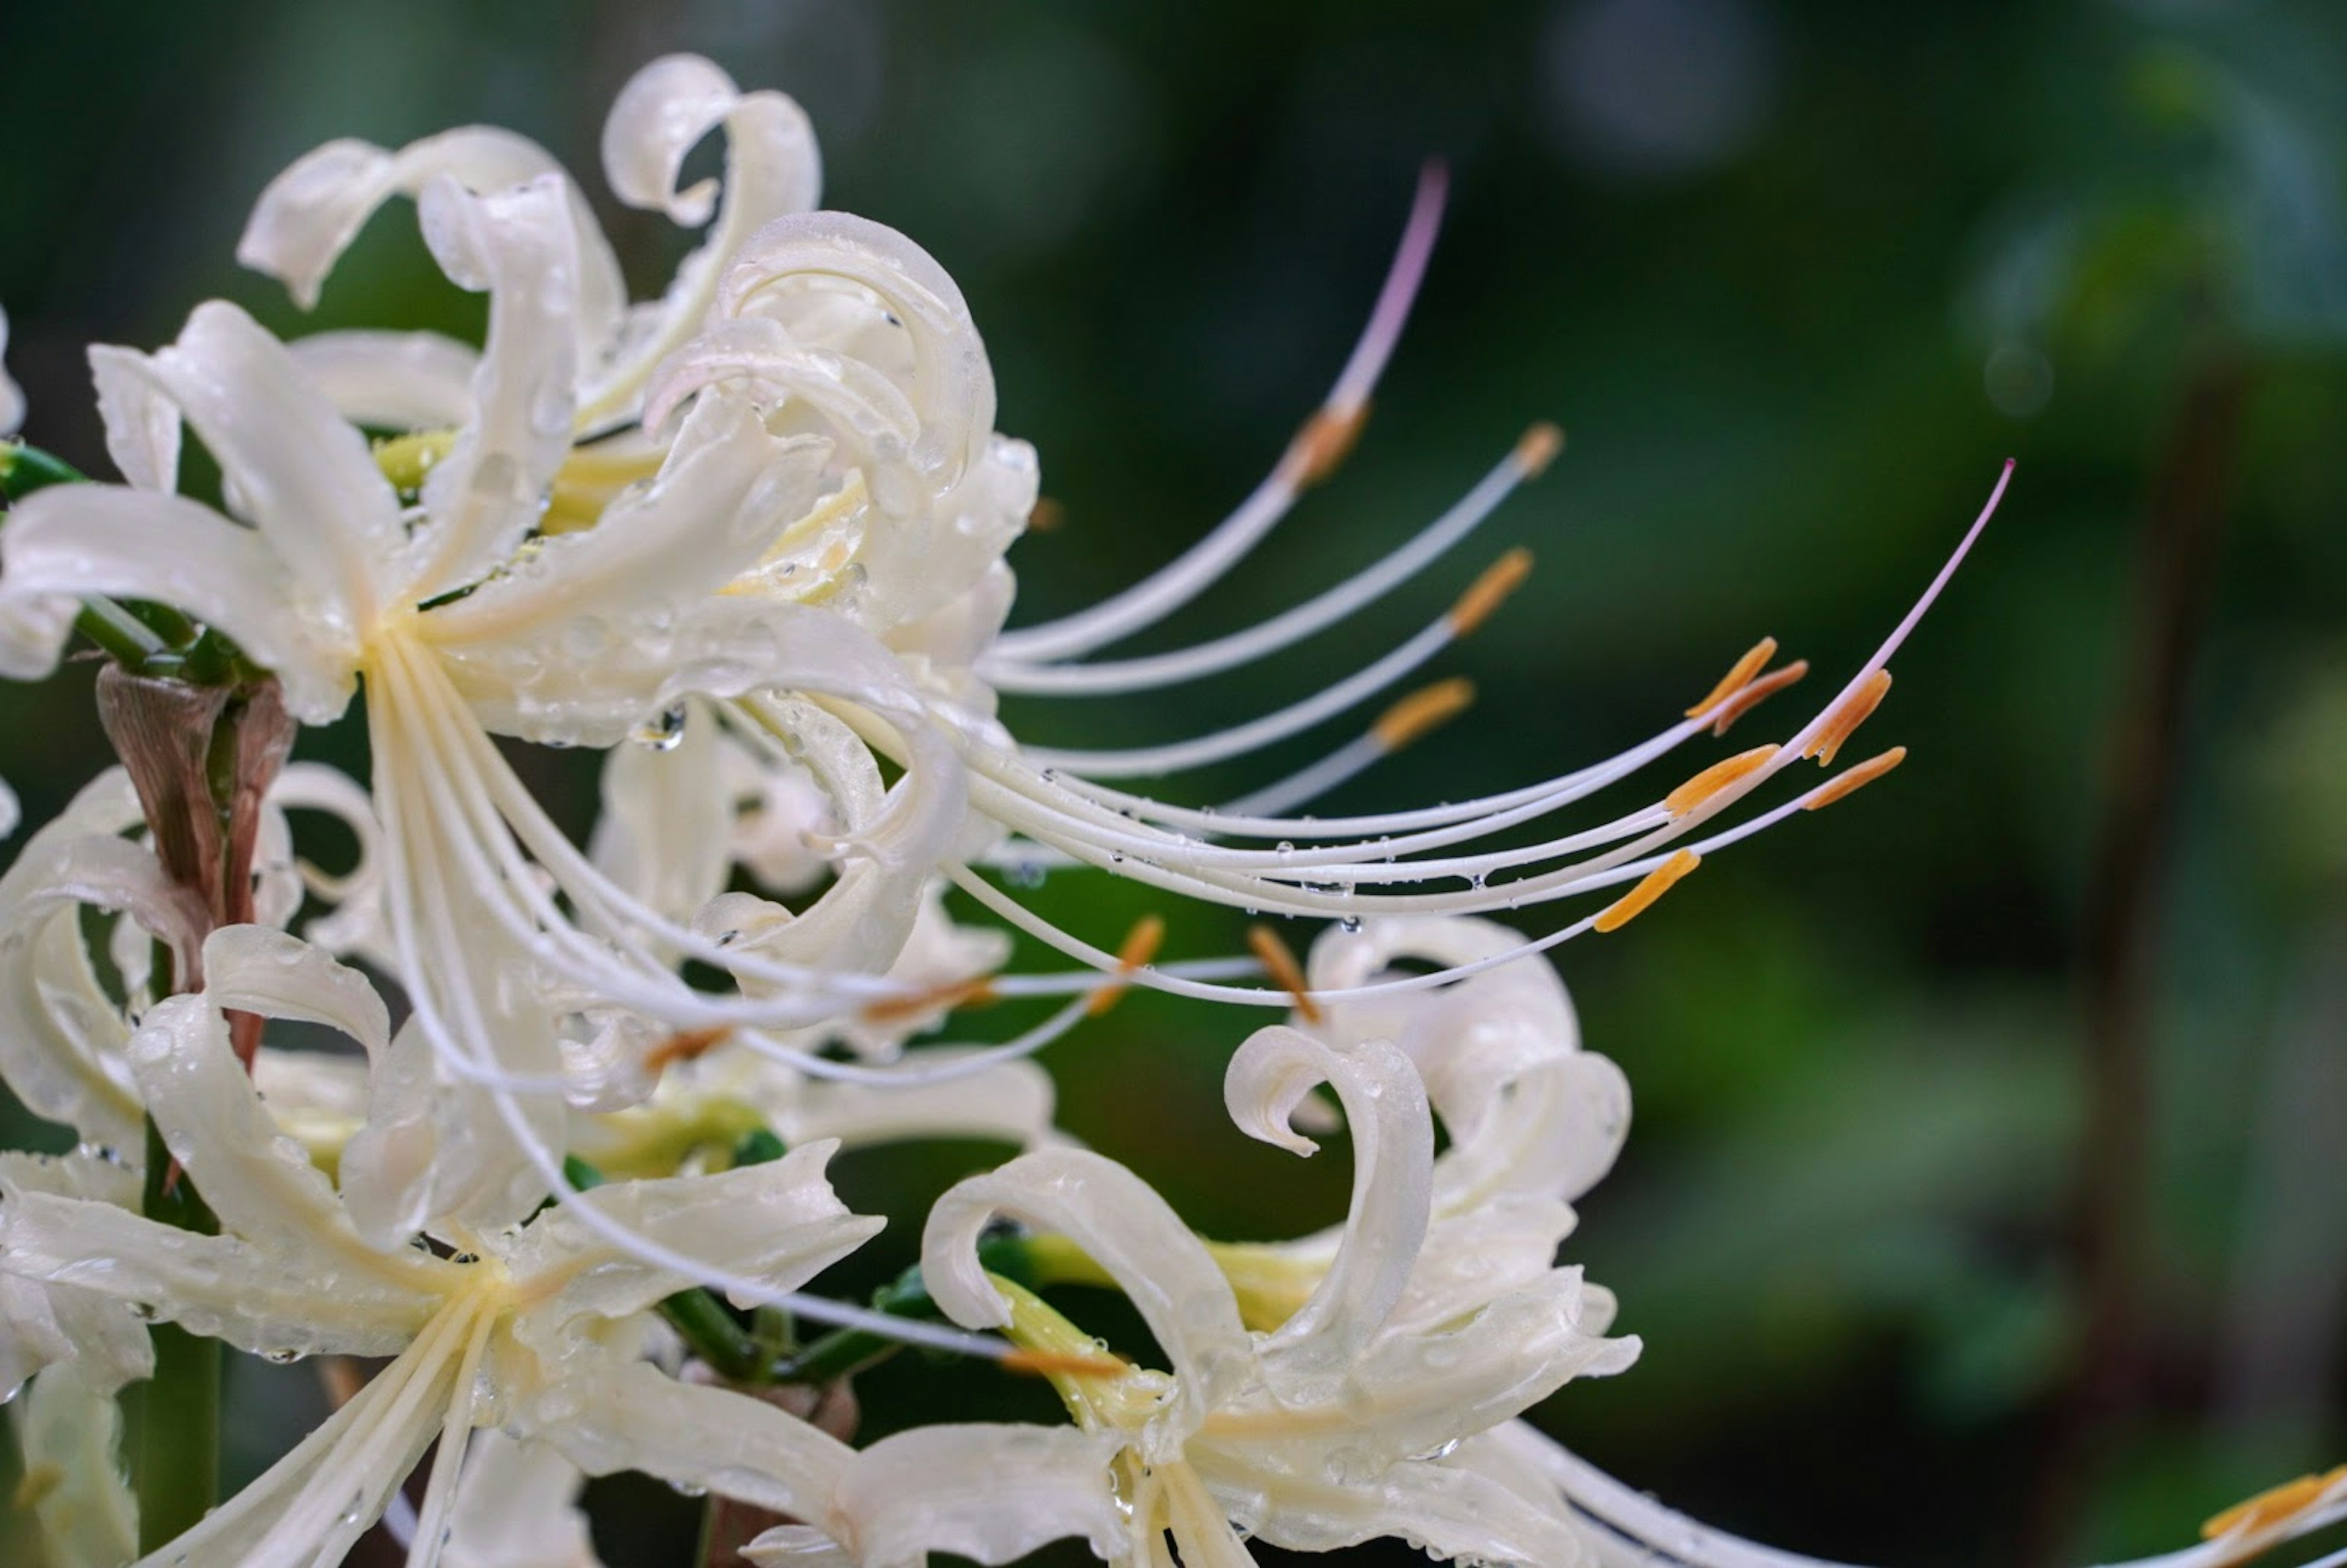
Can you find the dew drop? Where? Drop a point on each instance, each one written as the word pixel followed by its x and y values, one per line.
pixel 664 732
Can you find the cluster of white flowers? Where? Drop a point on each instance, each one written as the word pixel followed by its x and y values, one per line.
pixel 566 1177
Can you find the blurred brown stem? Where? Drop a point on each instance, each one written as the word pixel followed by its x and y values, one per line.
pixel 2183 531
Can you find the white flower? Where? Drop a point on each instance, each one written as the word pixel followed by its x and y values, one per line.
pixel 481 607
pixel 529 1327
pixel 1320 1433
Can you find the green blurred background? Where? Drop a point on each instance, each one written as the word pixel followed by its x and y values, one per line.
pixel 1985 1199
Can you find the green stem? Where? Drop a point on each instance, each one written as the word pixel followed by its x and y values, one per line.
pixel 175 1450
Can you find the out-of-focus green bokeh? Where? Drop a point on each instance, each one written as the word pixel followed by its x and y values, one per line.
pixel 1796 276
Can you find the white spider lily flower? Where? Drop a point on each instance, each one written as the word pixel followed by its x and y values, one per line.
pixel 527 1328
pixel 571 638
pixel 1630 1528
pixel 1321 1433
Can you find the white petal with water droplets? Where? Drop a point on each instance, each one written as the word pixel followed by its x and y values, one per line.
pixel 391 380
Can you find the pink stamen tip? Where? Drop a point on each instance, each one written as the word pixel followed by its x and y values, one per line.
pixel 1899 633
pixel 1400 292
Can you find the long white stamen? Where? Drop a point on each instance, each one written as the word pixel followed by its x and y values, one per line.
pixel 453 1046
pixel 456 1436
pixel 1643 1531
pixel 1256 734
pixel 1197 569
pixel 1290 626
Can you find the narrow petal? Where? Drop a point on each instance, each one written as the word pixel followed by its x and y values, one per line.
pixel 606 1415
pixel 44 1325
pixel 66 1430
pixel 61 1035
pixel 1447 1511
pixel 1010 1103
pixel 516 1507
pixel 79 539
pixel 142 422
pixel 259 1181
pixel 1419 1392
pixel 725 490
pixel 215 1286
pixel 1123 1227
pixel 252 968
pixel 772 168
pixel 308 1509
pixel 391 380
pixel 291 463
pixel 777 1222
pixel 665 832
pixel 991 1494
pixel 486 494
pixel 1393 1164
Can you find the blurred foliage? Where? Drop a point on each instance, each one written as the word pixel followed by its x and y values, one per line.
pixel 1795 275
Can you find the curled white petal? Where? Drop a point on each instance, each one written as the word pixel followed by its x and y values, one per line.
pixel 486 494
pixel 1123 1227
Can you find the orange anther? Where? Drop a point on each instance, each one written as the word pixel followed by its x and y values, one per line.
pixel 1141 945
pixel 684 1045
pixel 947 996
pixel 1281 966
pixel 1488 593
pixel 1757 692
pixel 1756 659
pixel 1324 443
pixel 1047 516
pixel 1629 907
pixel 1847 715
pixel 1427 708
pixel 1538 448
pixel 1857 779
pixel 1716 777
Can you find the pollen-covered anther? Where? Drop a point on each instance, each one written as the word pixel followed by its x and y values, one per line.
pixel 1062 1364
pixel 1718 777
pixel 1757 692
pixel 2276 1504
pixel 947 997
pixel 1856 779
pixel 1048 516
pixel 1422 712
pixel 1324 443
pixel 1658 881
pixel 1739 674
pixel 1537 447
pixel 1141 945
pixel 1488 593
pixel 1847 715
pixel 684 1046
pixel 1280 964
